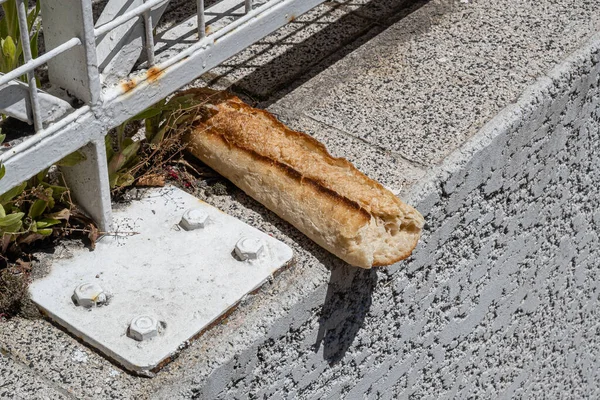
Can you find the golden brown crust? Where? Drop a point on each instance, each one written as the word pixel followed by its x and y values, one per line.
pixel 294 175
pixel 286 169
pixel 234 119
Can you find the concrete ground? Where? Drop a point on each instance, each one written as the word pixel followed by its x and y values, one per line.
pixel 400 88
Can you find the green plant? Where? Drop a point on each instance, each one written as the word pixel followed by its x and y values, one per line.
pixel 130 159
pixel 11 49
pixel 34 209
pixel 30 211
pixel 11 54
pixel 25 213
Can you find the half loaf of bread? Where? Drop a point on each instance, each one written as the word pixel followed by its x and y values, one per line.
pixel 293 175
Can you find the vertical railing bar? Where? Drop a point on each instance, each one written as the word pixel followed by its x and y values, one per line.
pixel 91 58
pixel 131 14
pixel 26 46
pixel 149 37
pixel 201 19
pixel 248 6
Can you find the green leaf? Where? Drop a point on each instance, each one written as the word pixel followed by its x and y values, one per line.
pixel 15 228
pixel 11 219
pixel 33 15
pixel 112 179
pixel 151 128
pixel 72 159
pixel 9 49
pixel 41 176
pixel 45 232
pixel 124 180
pixel 121 136
pixel 159 136
pixel 10 19
pixel 2 212
pixel 57 191
pixel 182 102
pixel 109 149
pixel 34 42
pixel 3 24
pixel 131 149
pixel 150 112
pixel 63 214
pixel 120 159
pixel 12 193
pixel 127 142
pixel 10 208
pixel 2 171
pixel 46 222
pixel 38 207
pixel 51 202
pixel 2 137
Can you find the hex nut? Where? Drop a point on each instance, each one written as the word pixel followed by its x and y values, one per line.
pixel 143 327
pixel 89 294
pixel 249 248
pixel 194 218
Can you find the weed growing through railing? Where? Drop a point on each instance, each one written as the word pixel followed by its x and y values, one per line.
pixel 147 162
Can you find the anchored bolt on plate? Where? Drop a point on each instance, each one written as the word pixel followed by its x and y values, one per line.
pixel 89 295
pixel 143 327
pixel 194 218
pixel 249 248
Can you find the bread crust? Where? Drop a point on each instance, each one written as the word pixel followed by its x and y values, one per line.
pixel 293 175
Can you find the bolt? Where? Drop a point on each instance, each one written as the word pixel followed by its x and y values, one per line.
pixel 143 327
pixel 193 219
pixel 89 295
pixel 248 248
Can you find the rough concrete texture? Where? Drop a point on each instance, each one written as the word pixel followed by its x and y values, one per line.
pixel 290 50
pixel 17 382
pixel 500 298
pixel 429 82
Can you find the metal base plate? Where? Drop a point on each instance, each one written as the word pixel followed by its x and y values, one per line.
pixel 184 279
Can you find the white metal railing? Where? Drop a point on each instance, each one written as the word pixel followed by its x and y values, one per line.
pixel 94 65
pixel 135 13
pixel 31 64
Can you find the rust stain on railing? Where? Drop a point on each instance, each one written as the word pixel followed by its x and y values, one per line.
pixel 154 74
pixel 128 86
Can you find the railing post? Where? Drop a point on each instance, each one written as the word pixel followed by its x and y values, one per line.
pixel 34 103
pixel 88 182
pixel 77 72
pixel 77 69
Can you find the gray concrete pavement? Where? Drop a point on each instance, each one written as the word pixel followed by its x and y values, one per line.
pixel 432 80
pixel 406 95
pixel 17 381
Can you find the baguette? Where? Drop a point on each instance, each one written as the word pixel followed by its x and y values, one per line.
pixel 293 175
